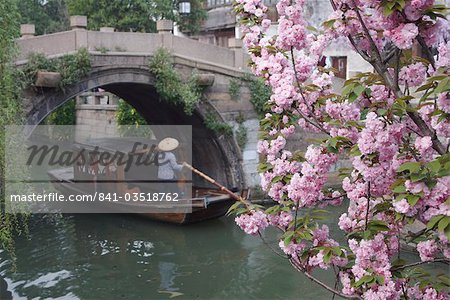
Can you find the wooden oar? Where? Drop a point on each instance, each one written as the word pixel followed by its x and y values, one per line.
pixel 221 187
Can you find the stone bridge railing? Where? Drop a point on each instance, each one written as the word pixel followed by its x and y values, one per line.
pixel 130 42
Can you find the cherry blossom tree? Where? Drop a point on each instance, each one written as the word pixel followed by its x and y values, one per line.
pixel 393 124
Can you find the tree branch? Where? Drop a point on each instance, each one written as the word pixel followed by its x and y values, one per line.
pixel 368 206
pixel 270 246
pixel 311 110
pixel 322 284
pixel 441 260
pixel 373 46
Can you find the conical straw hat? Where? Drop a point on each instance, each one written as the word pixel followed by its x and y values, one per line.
pixel 168 144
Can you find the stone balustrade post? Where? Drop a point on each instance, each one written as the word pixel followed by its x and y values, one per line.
pixel 27 31
pixel 236 45
pixel 78 22
pixel 164 26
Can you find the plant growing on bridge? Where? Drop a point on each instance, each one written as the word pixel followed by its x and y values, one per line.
pixel 72 67
pixel 259 93
pixel 394 123
pixel 169 84
pixel 234 88
pixel 241 132
pixel 219 127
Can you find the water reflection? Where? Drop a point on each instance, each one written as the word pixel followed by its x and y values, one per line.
pixel 124 257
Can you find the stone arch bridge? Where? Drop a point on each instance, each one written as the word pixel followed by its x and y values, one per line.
pixel 121 67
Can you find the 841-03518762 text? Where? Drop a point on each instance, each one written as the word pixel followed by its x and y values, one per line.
pixel 139 197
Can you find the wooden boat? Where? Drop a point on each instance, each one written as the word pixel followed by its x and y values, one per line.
pixel 84 177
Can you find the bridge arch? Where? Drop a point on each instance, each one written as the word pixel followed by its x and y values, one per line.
pixel 218 156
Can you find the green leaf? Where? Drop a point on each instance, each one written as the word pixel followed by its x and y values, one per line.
pixel 377 225
pixel 444 85
pixel 412 199
pixel 443 223
pixel 412 167
pixel 433 221
pixel 379 279
pixel 418 177
pixel 327 256
pixel 399 189
pixel 233 207
pixel 329 23
pixel 288 237
pixel 367 279
pixel 434 166
pixel 444 279
pixel 354 151
pixel 359 89
pixel 273 209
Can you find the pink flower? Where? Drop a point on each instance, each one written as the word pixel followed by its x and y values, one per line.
pixel 424 146
pixel 443 102
pixel 292 248
pixel 252 222
pixel 347 288
pixel 277 145
pixel 320 235
pixel 416 187
pixel 401 206
pixel 281 219
pixel 444 55
pixel 403 36
pixel 413 75
pixel 427 250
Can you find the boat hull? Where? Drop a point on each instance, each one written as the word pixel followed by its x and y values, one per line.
pixel 212 210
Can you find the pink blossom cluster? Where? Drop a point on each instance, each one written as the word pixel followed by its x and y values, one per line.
pixel 413 75
pixel 252 222
pixel 403 36
pixel 378 129
pixel 443 102
pixel 343 111
pixel 443 55
pixel 442 126
pixel 371 258
pixel 305 187
pixel 281 219
pixel 427 250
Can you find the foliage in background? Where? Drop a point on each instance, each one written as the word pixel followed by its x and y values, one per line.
pixel 194 20
pixel 128 115
pixel 134 15
pixel 63 115
pixel 10 113
pixel 219 127
pixel 72 67
pixel 130 122
pixel 169 84
pixel 259 93
pixel 48 16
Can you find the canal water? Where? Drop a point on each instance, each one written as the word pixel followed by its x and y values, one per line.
pixel 127 257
